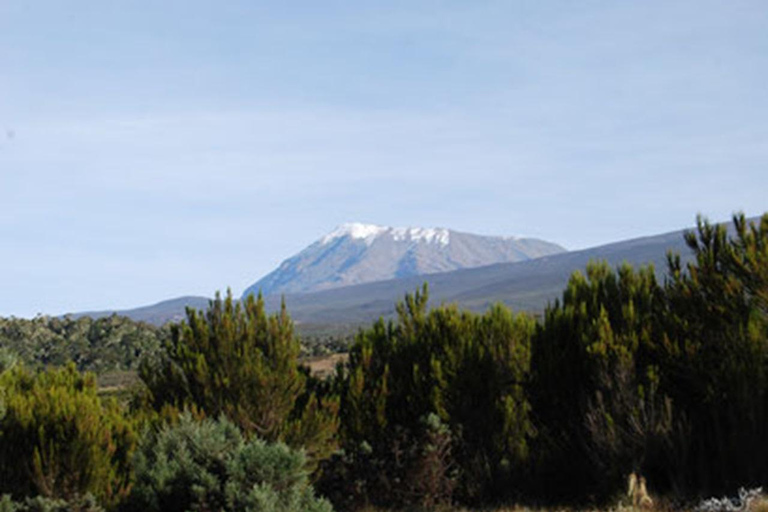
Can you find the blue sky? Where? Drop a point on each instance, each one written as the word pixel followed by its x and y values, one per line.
pixel 156 149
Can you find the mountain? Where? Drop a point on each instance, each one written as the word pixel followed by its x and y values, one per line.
pixel 524 286
pixel 361 253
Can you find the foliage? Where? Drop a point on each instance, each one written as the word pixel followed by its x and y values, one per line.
pixel 595 389
pixel 86 503
pixel 434 475
pixel 718 354
pixel 465 369
pixel 667 380
pixel 110 343
pixel 208 465
pixel 237 361
pixel 58 439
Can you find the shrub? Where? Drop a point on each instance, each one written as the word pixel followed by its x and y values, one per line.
pixel 208 465
pixel 58 439
pixel 465 370
pixel 238 361
pixel 670 380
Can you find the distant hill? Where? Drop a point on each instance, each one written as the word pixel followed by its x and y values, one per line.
pixel 524 286
pixel 171 310
pixel 363 253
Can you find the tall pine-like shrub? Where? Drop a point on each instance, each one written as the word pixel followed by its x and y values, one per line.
pixel 464 370
pixel 236 360
pixel 58 439
pixel 596 392
pixel 718 353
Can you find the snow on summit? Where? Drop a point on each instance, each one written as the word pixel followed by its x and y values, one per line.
pixel 355 230
pixel 369 232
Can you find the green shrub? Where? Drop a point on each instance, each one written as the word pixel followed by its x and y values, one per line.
pixel 463 369
pixel 208 465
pixel 58 439
pixel 668 380
pixel 595 387
pixel 718 354
pixel 238 361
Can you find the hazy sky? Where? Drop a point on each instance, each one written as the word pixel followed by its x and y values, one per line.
pixel 156 149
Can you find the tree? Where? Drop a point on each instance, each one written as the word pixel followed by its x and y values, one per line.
pixel 467 371
pixel 718 351
pixel 596 388
pixel 237 361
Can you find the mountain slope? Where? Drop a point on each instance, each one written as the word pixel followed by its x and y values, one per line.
pixel 361 253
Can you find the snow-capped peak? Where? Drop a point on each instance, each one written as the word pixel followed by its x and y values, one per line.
pixel 357 253
pixel 369 232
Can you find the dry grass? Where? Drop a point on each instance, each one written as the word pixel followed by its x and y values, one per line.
pixel 759 505
pixel 324 366
pixel 664 506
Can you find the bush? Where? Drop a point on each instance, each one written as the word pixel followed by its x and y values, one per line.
pixel 58 439
pixel 237 361
pixel 465 370
pixel 718 354
pixel 596 392
pixel 208 465
pixel 668 380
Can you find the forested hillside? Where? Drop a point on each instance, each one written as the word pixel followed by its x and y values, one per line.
pixel 109 343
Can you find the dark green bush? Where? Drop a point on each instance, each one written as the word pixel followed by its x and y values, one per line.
pixel 669 380
pixel 717 367
pixel 596 391
pixel 58 439
pixel 466 370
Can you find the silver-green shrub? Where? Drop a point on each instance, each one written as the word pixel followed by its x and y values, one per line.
pixel 208 465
